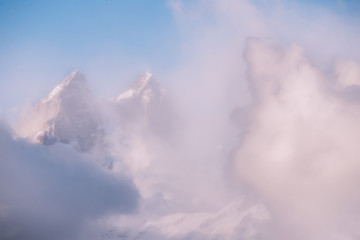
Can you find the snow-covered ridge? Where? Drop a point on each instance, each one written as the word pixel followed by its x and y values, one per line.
pixel 75 77
pixel 71 113
pixel 136 87
pixel 240 219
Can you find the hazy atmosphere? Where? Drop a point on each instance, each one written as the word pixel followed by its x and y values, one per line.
pixel 179 119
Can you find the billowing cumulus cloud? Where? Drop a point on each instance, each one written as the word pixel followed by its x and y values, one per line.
pixel 53 193
pixel 253 135
pixel 292 77
pixel 299 153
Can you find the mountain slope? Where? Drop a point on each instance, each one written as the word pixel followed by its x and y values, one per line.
pixel 68 115
pixel 240 219
pixel 145 105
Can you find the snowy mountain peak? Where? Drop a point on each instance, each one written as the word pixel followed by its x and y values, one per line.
pixel 142 81
pixel 137 87
pixel 68 115
pixel 75 82
pixel 75 76
pixel 144 105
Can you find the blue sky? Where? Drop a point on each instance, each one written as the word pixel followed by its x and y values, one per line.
pixel 261 101
pixel 44 40
pixel 86 28
pixel 42 37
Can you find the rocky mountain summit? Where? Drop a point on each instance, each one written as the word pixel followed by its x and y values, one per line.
pixel 71 114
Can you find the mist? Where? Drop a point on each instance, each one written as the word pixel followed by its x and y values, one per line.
pixel 251 134
pixel 299 150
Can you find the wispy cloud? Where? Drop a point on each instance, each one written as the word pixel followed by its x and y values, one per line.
pixel 263 105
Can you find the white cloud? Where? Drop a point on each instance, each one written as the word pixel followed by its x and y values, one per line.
pixel 296 134
pixel 53 192
pixel 299 153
